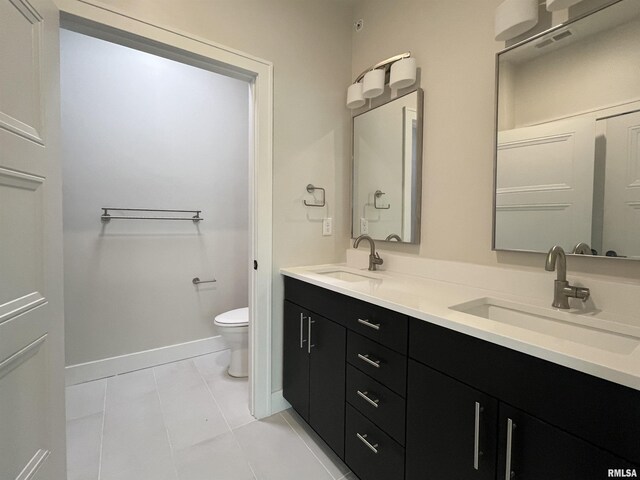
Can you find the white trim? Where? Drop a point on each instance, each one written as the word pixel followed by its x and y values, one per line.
pixel 21 356
pixel 201 52
pixel 278 402
pixel 108 367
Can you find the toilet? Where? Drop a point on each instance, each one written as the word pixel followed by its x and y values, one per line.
pixel 234 328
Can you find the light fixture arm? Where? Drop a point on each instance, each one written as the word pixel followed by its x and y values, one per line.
pixel 383 63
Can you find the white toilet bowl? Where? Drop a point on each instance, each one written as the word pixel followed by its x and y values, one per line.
pixel 234 328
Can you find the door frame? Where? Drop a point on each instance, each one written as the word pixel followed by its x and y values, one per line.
pixel 108 23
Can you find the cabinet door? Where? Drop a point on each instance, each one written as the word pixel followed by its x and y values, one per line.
pixel 451 428
pixel 530 449
pixel 327 381
pixel 295 375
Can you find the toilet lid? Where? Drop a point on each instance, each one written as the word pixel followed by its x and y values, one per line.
pixel 238 317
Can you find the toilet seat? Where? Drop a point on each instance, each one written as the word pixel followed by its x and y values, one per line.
pixel 233 318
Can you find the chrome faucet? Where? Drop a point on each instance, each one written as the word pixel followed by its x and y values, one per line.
pixel 374 258
pixel 562 290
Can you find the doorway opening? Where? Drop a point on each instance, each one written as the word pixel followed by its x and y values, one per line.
pixel 256 76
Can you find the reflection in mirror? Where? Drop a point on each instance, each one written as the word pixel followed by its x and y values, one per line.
pixel 568 146
pixel 387 158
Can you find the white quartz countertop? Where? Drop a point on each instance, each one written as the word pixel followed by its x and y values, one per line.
pixel 590 350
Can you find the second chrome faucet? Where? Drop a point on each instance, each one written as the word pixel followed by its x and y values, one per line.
pixel 374 258
pixel 557 260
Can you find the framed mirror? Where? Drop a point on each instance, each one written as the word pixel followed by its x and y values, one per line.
pixel 567 168
pixel 387 164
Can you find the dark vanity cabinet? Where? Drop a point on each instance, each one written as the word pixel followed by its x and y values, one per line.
pixel 451 428
pixel 399 398
pixel 351 380
pixel 531 448
pixel 313 373
pixel 477 410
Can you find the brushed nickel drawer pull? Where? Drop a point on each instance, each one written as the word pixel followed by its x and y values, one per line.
pixel 373 363
pixel 510 427
pixel 302 319
pixel 365 395
pixel 363 439
pixel 309 344
pixel 375 326
pixel 476 437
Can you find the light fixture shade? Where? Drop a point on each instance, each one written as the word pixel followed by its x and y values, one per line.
pixel 514 17
pixel 354 96
pixel 403 73
pixel 553 5
pixel 373 83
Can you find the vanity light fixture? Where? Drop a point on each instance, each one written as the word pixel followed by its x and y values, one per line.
pixel 514 17
pixel 403 73
pixel 399 69
pixel 373 83
pixel 355 99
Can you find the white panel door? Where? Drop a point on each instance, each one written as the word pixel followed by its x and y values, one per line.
pixel 621 231
pixel 544 185
pixel 32 434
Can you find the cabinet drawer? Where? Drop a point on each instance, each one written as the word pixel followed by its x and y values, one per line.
pixel 319 300
pixel 384 326
pixel 376 402
pixel 382 364
pixel 380 324
pixel 369 452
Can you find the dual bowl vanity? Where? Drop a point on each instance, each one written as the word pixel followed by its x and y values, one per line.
pixel 456 377
pixel 406 377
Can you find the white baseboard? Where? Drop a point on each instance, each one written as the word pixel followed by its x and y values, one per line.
pixel 108 367
pixel 278 403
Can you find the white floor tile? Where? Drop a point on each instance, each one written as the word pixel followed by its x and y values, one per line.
pixel 276 452
pixel 172 423
pixel 217 459
pixel 160 469
pixel 137 456
pixel 130 386
pixel 177 376
pixel 85 399
pixel 83 447
pixel 325 455
pixel 135 438
pixel 213 363
pixel 232 394
pixel 189 411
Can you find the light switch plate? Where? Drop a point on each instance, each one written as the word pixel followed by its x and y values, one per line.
pixel 327 226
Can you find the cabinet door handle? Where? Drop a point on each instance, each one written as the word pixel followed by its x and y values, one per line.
pixel 375 326
pixel 476 437
pixel 309 345
pixel 365 395
pixel 373 363
pixel 302 340
pixel 510 427
pixel 363 439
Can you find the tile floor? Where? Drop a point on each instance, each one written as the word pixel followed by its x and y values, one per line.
pixel 187 420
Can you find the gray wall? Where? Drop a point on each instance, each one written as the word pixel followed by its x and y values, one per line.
pixel 143 131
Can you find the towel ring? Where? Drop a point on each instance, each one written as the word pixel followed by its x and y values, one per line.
pixel 311 189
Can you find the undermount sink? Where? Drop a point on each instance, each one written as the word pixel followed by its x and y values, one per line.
pixel 593 332
pixel 347 274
